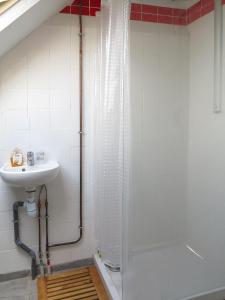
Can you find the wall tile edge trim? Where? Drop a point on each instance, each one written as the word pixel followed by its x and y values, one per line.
pixel 150 13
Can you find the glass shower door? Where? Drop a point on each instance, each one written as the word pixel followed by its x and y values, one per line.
pixel 174 213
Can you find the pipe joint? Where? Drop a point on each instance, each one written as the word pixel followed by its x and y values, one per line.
pixel 18 242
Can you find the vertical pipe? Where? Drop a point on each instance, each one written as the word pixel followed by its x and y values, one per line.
pixel 81 117
pixel 80 133
pixel 18 241
pixel 46 225
pixel 218 49
pixel 41 264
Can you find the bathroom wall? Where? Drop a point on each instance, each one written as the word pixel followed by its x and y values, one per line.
pixel 179 143
pixel 159 110
pixel 178 187
pixel 206 189
pixel 39 110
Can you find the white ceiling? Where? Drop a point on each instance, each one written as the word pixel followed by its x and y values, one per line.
pixel 21 19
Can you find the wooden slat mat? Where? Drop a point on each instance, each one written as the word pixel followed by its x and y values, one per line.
pixel 81 284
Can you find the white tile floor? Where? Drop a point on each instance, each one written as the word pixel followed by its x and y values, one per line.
pixel 18 289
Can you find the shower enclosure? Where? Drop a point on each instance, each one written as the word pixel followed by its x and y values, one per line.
pixel 163 216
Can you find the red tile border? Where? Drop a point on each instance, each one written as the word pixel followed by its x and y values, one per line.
pixel 95 3
pixel 149 9
pixel 65 10
pixel 84 2
pixel 180 21
pixel 94 10
pixel 135 7
pixel 207 2
pixel 136 16
pixel 158 14
pixel 207 9
pixel 149 13
pixel 75 10
pixel 165 19
pixel 178 12
pixel 150 18
pixel 165 11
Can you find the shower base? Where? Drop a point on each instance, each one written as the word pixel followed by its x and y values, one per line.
pixel 112 280
pixel 175 272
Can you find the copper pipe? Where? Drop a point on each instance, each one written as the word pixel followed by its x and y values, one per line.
pixel 81 119
pixel 80 131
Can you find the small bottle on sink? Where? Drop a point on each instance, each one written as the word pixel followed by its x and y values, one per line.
pixel 16 158
pixel 40 157
pixel 30 158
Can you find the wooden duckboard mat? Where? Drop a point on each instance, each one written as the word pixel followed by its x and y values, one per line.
pixel 81 284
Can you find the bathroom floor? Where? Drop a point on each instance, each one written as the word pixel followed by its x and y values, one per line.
pixel 18 289
pixel 81 283
pixel 26 289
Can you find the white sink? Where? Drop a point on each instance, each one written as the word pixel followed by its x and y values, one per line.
pixel 26 176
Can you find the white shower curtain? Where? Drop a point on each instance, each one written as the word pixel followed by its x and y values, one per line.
pixel 110 126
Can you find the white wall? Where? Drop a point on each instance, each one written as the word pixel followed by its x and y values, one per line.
pixel 39 109
pixel 179 143
pixel 206 160
pixel 159 108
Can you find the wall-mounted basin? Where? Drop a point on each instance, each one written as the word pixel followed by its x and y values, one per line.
pixel 27 176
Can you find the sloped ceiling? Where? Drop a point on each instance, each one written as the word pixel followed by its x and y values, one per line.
pixel 25 16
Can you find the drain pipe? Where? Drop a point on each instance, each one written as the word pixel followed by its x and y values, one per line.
pixel 19 243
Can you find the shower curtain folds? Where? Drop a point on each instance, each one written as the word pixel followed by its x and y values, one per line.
pixel 110 127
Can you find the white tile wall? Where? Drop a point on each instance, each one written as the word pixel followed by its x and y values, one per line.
pixel 206 205
pixel 159 110
pixel 178 147
pixel 39 110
